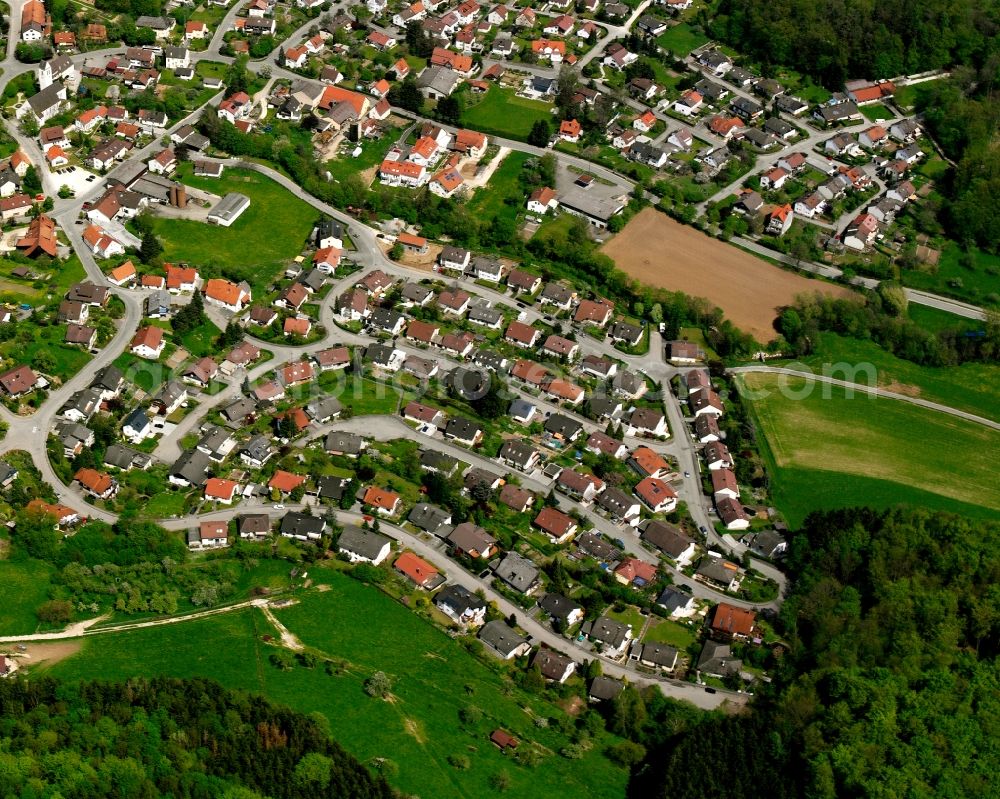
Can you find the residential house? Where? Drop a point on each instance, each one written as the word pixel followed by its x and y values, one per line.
pixel 613 637
pixel 503 641
pixel 364 546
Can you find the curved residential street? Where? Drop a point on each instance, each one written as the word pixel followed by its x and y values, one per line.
pixel 28 433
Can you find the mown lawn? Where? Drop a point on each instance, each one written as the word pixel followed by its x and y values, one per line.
pixel 368 397
pixel 363 631
pixel 256 246
pixel 825 450
pixel 502 113
pixel 201 340
pixel 936 320
pixel 971 387
pixel 681 39
pixel 671 633
pixel 26 583
pixel 876 111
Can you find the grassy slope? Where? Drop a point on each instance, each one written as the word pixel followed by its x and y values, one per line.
pixel 971 387
pixel 418 730
pixel 837 452
pixel 978 283
pixel 272 230
pixel 25 584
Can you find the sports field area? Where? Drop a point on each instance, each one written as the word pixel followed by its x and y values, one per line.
pixel 828 451
pixel 436 724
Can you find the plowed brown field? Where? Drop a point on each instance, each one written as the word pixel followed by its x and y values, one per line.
pixel 658 251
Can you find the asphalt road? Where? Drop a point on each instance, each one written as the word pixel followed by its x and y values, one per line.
pixel 872 391
pixel 29 433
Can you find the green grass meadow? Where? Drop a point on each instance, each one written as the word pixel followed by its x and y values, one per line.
pixel 832 451
pixel 26 583
pixel 256 246
pixel 971 387
pixel 363 630
pixel 488 202
pixel 975 279
pixel 502 113
pixel 681 39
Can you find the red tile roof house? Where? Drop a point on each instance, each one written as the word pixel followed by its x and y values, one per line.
pixel 385 503
pixel 602 444
pixel 285 482
pixel 559 347
pixel 295 374
pixel 210 535
pixel 458 344
pixel 423 574
pixel 732 514
pixel 333 358
pixel 532 373
pixel 648 463
pixel 717 456
pixel 705 401
pixel 522 335
pixel 632 571
pixel 423 414
pixel 148 342
pixel 182 278
pixel 455 302
pixel 297 326
pixel 583 487
pixel 559 527
pixel 97 484
pixel 593 313
pixel 422 332
pixel 524 282
pixel 219 490
pixel 656 495
pixel 564 391
pixel 724 484
pixel 516 498
pixel 732 622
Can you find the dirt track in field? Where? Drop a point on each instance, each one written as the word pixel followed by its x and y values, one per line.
pixel 658 251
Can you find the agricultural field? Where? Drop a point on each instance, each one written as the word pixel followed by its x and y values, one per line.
pixel 825 450
pixel 419 729
pixel 271 231
pixel 502 113
pixel 971 387
pixel 748 289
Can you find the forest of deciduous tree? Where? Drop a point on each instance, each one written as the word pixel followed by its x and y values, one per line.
pixel 166 737
pixel 890 683
pixel 836 40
